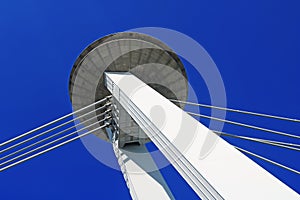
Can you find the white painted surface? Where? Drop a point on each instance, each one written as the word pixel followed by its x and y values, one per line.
pixel 143 178
pixel 218 166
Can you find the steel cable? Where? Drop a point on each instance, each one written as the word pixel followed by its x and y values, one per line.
pixel 53 122
pixel 263 141
pixel 54 135
pixel 53 147
pixel 246 125
pixel 268 160
pixel 238 111
pixel 52 129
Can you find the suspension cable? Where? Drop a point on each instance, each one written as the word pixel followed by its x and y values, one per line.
pixel 51 148
pixel 238 111
pixel 52 129
pixel 268 160
pixel 53 122
pixel 259 140
pixel 54 135
pixel 52 142
pixel 246 125
pixel 285 143
pixel 271 141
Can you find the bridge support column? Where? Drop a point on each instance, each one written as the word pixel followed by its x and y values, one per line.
pixel 216 171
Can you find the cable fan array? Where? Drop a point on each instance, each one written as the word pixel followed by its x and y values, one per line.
pixel 55 134
pixel 285 145
pixel 63 130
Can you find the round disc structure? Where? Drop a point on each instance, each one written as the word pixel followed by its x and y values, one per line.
pixel 144 56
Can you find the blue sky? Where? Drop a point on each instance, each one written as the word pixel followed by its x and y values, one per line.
pixel 255 45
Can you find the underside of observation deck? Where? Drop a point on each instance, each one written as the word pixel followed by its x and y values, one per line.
pixel 144 56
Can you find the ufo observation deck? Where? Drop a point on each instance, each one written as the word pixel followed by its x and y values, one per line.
pixel 146 57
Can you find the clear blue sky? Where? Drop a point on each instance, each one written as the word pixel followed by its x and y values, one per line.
pixel 255 44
